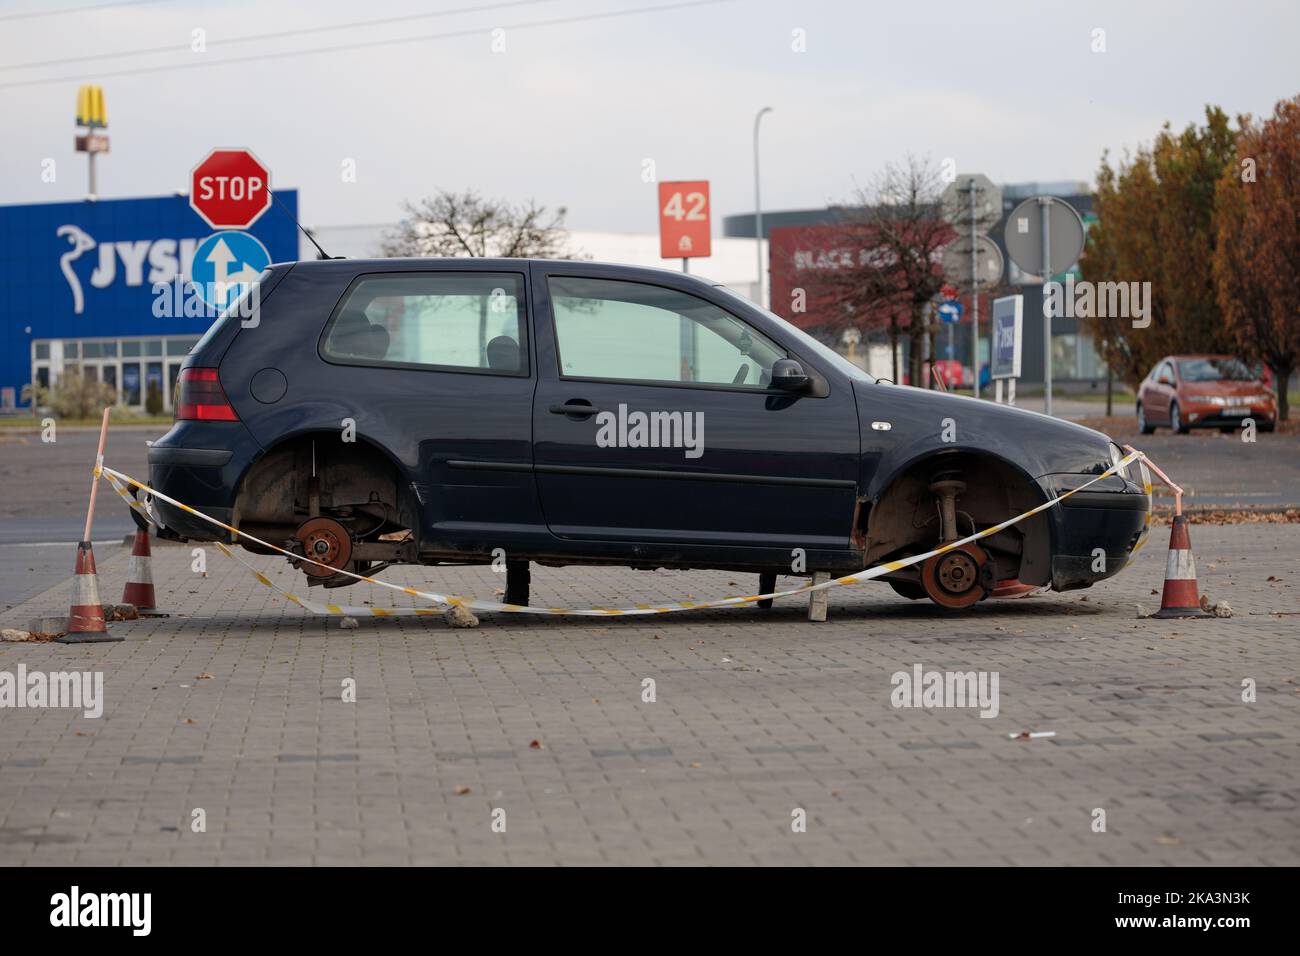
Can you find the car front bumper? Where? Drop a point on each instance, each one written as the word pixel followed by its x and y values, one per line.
pixel 1095 532
pixel 1198 414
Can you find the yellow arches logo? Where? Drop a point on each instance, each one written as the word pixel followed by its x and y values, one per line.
pixel 90 107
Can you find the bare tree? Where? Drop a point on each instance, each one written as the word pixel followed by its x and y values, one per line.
pixel 892 233
pixel 466 224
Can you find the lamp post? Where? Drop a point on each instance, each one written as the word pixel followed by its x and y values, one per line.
pixel 758 209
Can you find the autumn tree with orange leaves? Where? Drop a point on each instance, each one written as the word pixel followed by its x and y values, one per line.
pixel 1257 255
pixel 1156 223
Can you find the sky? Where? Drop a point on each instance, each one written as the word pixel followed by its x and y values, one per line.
pixel 568 113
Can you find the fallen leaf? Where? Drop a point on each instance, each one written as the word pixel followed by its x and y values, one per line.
pixel 535 745
pixel 205 676
pixel 461 791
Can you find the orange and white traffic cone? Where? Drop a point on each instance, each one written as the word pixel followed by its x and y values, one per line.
pixel 139 577
pixel 1181 598
pixel 86 616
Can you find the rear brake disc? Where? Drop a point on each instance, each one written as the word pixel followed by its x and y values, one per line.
pixel 326 541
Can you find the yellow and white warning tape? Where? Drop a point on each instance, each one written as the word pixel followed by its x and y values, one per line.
pixel 443 601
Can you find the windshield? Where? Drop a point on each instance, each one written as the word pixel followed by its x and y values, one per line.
pixel 822 351
pixel 1214 370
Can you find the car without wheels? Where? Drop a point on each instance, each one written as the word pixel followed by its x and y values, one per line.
pixel 443 411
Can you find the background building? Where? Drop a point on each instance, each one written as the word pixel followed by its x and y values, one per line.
pixel 732 262
pixel 1075 361
pixel 76 290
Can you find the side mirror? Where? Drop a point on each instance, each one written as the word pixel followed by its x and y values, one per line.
pixel 788 375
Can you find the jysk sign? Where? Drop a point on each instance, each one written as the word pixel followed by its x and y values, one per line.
pixel 89 269
pixel 1007 318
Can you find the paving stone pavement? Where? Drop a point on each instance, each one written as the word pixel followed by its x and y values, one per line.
pixel 756 714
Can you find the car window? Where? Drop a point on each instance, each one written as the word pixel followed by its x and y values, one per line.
pixel 634 331
pixel 1214 370
pixel 464 320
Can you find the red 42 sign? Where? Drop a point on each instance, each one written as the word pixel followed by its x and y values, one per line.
pixel 684 228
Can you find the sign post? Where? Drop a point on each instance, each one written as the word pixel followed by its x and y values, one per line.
pixel 1005 339
pixel 973 202
pixel 950 312
pixel 1047 250
pixel 92 115
pixel 684 221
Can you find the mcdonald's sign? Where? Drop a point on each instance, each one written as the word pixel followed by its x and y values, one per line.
pixel 90 107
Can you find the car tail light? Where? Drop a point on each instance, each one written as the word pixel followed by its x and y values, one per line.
pixel 201 397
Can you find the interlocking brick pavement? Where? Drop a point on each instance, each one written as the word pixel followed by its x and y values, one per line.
pixel 757 713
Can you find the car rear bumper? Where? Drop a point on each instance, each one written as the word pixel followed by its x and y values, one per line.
pixel 199 464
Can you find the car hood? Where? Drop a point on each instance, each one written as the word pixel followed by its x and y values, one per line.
pixel 921 421
pixel 1224 388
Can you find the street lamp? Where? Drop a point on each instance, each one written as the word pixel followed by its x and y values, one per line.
pixel 758 208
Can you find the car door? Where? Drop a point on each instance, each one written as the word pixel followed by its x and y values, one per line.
pixel 1165 390
pixel 434 366
pixel 1154 402
pixel 654 421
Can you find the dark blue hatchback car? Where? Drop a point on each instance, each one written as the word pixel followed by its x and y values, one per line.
pixel 426 411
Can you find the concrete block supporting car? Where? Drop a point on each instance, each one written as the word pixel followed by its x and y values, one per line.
pixel 427 411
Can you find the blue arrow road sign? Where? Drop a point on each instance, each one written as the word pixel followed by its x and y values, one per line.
pixel 950 311
pixel 226 263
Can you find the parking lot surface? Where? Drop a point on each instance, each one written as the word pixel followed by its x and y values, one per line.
pixel 234 707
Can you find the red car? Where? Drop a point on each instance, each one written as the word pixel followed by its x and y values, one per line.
pixel 1217 391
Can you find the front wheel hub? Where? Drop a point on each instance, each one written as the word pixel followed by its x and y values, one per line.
pixel 958 578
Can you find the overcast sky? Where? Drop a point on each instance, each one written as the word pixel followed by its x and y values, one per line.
pixel 567 113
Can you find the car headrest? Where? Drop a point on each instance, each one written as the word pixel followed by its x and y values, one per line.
pixel 503 354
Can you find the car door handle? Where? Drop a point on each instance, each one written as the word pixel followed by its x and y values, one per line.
pixel 574 409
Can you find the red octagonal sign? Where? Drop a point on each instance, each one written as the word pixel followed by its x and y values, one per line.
pixel 230 189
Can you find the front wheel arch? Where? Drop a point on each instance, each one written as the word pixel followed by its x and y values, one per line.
pixel 997 489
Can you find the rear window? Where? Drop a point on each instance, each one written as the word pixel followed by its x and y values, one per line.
pixel 241 306
pixel 459 321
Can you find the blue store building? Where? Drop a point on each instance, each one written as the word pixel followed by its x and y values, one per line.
pixel 77 290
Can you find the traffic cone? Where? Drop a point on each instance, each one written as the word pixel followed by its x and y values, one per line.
pixel 139 577
pixel 86 616
pixel 1181 598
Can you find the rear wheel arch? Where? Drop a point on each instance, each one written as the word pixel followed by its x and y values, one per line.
pixel 360 481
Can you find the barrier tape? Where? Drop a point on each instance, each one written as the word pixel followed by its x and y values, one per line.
pixel 444 601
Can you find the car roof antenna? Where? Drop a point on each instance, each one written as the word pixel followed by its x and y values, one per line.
pixel 310 238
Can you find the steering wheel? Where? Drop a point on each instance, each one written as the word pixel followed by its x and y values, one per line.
pixel 742 373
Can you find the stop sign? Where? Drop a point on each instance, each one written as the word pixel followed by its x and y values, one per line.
pixel 230 188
